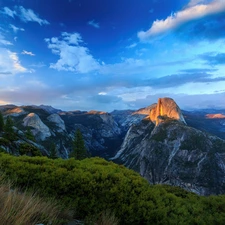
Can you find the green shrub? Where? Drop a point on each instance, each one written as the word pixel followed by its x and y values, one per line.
pixel 92 185
pixel 28 149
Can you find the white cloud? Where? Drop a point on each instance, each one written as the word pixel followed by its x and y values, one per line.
pixel 16 29
pixel 102 93
pixel 27 53
pixel 3 41
pixel 194 10
pixel 9 12
pixel 10 63
pixel 26 15
pixel 73 56
pixel 132 45
pixel 93 24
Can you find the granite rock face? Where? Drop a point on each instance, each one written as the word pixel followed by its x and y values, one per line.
pixel 40 130
pixel 166 107
pixel 55 118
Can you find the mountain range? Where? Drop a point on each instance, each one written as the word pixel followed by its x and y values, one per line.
pixel 163 143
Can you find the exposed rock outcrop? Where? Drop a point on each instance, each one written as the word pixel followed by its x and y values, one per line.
pixel 166 108
pixel 55 118
pixel 39 128
pixel 17 111
pixel 215 116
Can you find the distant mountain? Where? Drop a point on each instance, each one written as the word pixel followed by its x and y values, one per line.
pixel 208 120
pixel 163 149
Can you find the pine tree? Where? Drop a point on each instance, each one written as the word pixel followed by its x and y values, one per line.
pixel 8 125
pixel 29 134
pixel 1 122
pixel 8 128
pixel 79 150
pixel 53 151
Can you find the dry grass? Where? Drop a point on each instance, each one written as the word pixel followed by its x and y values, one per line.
pixel 18 208
pixel 107 218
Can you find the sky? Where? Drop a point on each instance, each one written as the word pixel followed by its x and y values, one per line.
pixel 112 54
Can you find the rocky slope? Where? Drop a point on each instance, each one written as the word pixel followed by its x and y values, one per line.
pixel 102 134
pixel 163 149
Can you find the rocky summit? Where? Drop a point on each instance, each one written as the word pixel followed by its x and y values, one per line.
pixel 166 107
pixel 164 150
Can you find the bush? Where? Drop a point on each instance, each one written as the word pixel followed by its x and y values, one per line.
pixel 92 185
pixel 27 149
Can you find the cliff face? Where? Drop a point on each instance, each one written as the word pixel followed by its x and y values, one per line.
pixel 166 107
pixel 164 150
pixel 175 154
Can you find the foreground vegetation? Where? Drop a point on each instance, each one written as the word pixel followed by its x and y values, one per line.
pixel 93 185
pixel 27 208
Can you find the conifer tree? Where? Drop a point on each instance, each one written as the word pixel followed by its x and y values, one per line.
pixel 1 122
pixel 79 150
pixel 29 134
pixel 8 125
pixel 53 151
pixel 8 128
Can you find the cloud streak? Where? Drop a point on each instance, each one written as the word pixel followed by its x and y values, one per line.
pixel 27 53
pixel 25 15
pixel 94 24
pixel 192 12
pixel 16 29
pixel 214 59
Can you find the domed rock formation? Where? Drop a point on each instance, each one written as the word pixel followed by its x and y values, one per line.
pixel 166 108
pixel 40 129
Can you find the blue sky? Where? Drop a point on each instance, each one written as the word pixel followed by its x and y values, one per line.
pixel 112 54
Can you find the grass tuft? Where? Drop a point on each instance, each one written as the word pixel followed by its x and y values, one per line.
pixel 23 208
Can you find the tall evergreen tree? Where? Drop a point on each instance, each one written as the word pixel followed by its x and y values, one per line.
pixel 8 128
pixel 29 134
pixel 53 151
pixel 1 122
pixel 79 150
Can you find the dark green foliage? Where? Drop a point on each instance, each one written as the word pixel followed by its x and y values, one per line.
pixel 8 125
pixel 195 141
pixel 28 149
pixel 29 134
pixel 160 136
pixel 5 142
pixel 79 150
pixel 93 185
pixel 53 151
pixel 2 150
pixel 1 122
pixel 8 128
